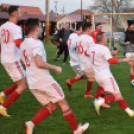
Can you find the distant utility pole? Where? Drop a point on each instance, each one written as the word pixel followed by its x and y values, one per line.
pixel 47 26
pixel 81 12
pixel 56 7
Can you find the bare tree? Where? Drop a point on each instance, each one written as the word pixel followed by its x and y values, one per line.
pixel 119 6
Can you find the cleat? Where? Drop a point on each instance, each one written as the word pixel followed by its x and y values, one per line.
pixel 2 99
pixel 69 85
pixel 131 115
pixel 3 112
pixel 96 107
pixel 88 96
pixel 63 64
pixel 105 105
pixel 28 129
pixel 81 128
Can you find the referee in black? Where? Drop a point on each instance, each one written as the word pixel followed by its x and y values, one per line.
pixel 63 38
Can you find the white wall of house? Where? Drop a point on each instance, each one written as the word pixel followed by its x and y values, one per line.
pixel 106 27
pixel 64 20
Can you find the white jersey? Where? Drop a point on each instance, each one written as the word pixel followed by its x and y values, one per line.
pixel 84 43
pixel 36 77
pixel 9 32
pixel 72 43
pixel 99 55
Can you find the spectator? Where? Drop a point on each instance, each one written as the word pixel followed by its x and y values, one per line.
pixel 63 38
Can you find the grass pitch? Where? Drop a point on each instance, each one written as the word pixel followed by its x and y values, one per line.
pixel 111 121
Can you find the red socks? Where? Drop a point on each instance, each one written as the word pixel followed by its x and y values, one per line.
pixel 69 116
pixel 89 87
pixel 12 98
pixel 132 77
pixel 75 79
pixel 10 89
pixel 110 98
pixel 122 103
pixel 100 92
pixel 41 115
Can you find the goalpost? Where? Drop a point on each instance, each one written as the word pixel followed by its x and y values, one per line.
pixel 111 21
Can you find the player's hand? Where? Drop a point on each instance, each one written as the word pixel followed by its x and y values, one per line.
pixel 60 40
pixel 128 43
pixel 114 52
pixel 130 60
pixel 58 70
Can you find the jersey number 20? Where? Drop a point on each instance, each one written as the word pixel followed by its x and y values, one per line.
pixel 5 36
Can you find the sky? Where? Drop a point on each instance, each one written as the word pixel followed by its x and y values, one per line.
pixel 70 5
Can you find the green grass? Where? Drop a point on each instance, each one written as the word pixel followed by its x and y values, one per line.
pixel 111 121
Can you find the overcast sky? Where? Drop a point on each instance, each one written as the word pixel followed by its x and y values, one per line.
pixel 70 5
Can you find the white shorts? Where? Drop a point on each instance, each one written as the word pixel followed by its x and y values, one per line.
pixel 14 70
pixel 51 93
pixel 78 70
pixel 130 54
pixel 109 85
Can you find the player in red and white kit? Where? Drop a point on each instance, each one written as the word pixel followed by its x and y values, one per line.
pixel 10 35
pixel 74 58
pixel 100 56
pixel 41 83
pixel 83 43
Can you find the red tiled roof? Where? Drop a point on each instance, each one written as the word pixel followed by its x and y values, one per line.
pixel 84 12
pixel 4 15
pixel 27 9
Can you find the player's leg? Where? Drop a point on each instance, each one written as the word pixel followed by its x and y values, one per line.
pixel 91 78
pixel 22 86
pixel 61 49
pixel 6 92
pixel 100 93
pixel 70 118
pixel 131 69
pixel 39 117
pixel 113 89
pixel 80 76
pixel 66 53
pixel 132 73
pixel 17 74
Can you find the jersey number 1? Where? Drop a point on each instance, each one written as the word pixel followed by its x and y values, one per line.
pixel 26 59
pixel 93 52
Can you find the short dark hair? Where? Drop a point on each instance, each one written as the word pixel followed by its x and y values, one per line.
pixel 85 26
pixel 97 24
pixel 78 25
pixel 12 9
pixel 31 24
pixel 99 37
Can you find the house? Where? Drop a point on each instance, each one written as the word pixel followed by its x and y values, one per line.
pixel 74 17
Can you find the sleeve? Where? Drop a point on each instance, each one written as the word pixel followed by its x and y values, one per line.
pixel 38 49
pixel 113 61
pixel 17 33
pixel 122 39
pixel 105 52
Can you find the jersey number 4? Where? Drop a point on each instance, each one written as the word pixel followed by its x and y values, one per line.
pixel 26 59
pixel 5 36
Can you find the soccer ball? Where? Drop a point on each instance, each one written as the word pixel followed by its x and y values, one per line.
pixel 133 83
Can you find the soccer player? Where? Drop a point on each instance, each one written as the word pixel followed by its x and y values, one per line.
pixel 41 83
pixel 127 42
pixel 75 60
pixel 10 35
pixel 83 44
pixel 100 56
pixel 98 29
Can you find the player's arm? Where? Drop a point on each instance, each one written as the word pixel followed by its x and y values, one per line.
pixel 117 61
pixel 17 36
pixel 107 55
pixel 43 65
